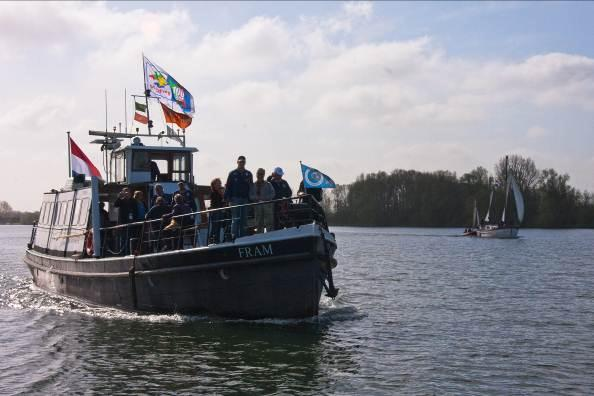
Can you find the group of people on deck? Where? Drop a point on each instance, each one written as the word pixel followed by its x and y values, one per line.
pixel 240 189
pixel 132 208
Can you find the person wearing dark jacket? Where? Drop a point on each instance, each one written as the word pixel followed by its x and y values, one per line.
pixel 237 192
pixel 180 208
pixel 280 185
pixel 217 201
pixel 160 193
pixel 126 207
pixel 281 190
pixel 315 192
pixel 158 210
pixel 187 195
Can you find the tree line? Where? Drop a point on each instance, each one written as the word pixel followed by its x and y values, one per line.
pixel 10 216
pixel 441 199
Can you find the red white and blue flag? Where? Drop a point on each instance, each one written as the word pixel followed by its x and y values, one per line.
pixel 81 164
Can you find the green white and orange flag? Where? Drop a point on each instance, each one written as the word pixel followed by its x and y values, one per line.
pixel 140 114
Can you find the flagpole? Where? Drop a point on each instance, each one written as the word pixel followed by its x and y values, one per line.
pixel 147 92
pixel 302 177
pixel 125 110
pixel 69 158
pixel 105 110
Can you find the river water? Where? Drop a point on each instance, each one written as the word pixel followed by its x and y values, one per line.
pixel 420 311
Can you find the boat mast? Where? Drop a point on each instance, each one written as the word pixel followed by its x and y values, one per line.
pixel 488 215
pixel 147 93
pixel 506 190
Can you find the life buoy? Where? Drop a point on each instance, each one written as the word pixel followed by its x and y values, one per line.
pixel 89 243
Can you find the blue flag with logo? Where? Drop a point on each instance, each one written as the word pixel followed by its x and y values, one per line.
pixel 313 178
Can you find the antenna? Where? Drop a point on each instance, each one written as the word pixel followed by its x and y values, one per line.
pixel 105 110
pixel 147 93
pixel 125 110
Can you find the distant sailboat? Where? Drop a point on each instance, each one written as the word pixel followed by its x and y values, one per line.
pixel 476 222
pixel 506 228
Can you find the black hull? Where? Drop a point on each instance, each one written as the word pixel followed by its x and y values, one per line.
pixel 250 279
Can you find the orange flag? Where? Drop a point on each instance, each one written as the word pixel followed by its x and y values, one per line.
pixel 182 120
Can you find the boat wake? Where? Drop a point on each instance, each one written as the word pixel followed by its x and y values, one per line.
pixel 24 295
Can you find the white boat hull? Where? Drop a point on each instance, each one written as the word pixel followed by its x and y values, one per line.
pixel 496 232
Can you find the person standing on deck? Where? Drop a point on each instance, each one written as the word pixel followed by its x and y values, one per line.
pixel 160 193
pixel 262 191
pixel 187 194
pixel 158 210
pixel 237 192
pixel 217 201
pixel 125 205
pixel 281 190
pixel 139 206
pixel 315 192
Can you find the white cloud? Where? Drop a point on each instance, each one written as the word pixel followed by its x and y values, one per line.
pixel 536 132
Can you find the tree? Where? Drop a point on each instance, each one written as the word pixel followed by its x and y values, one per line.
pixel 523 169
pixel 5 207
pixel 479 175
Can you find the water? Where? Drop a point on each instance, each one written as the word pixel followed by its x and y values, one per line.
pixel 419 312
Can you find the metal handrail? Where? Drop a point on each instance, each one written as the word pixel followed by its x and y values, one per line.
pixel 123 239
pixel 138 250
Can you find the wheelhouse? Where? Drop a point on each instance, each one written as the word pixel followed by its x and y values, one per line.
pixel 138 163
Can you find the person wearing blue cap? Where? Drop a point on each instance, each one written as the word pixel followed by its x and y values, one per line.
pixel 280 185
pixel 281 190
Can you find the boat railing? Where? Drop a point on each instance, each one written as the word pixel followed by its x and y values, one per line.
pixel 208 227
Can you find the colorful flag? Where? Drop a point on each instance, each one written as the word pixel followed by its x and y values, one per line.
pixel 140 114
pixel 141 118
pixel 81 164
pixel 161 85
pixel 140 107
pixel 180 119
pixel 313 178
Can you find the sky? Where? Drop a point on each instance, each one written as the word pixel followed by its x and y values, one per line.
pixel 347 88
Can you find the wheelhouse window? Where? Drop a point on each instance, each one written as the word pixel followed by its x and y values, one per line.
pixel 181 167
pixel 140 161
pixel 118 170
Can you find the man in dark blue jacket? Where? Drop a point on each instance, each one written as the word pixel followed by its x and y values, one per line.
pixel 237 192
pixel 187 194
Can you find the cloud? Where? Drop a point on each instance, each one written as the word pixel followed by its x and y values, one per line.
pixel 535 132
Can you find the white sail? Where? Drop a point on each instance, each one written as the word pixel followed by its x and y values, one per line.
pixel 477 218
pixel 489 209
pixel 506 195
pixel 518 198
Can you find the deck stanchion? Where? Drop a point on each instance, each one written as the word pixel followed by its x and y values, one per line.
pixel 96 216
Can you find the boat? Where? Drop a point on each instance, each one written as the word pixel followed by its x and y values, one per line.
pixel 508 226
pixel 476 223
pixel 152 266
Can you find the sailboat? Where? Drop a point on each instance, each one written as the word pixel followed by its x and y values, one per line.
pixel 507 227
pixel 476 223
